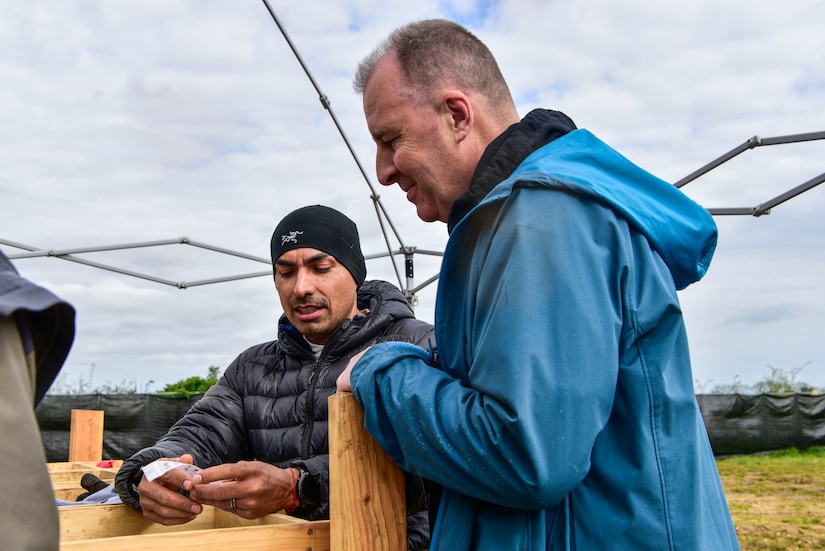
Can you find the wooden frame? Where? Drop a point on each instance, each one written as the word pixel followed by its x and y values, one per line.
pixel 367 506
pixel 66 476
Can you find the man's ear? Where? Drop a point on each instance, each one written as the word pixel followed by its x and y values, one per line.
pixel 459 113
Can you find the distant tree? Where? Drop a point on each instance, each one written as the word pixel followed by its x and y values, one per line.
pixel 699 386
pixel 63 385
pixel 186 388
pixel 736 387
pixel 781 381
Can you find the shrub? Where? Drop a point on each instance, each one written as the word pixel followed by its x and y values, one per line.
pixel 186 388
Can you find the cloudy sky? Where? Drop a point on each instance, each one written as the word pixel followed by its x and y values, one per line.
pixel 139 121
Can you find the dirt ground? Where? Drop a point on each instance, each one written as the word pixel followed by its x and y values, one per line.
pixel 777 504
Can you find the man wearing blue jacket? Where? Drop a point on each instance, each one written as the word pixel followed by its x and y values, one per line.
pixel 559 413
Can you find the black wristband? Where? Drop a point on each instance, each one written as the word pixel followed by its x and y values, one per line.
pixel 307 489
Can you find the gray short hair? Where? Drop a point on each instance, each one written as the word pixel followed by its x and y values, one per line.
pixel 439 52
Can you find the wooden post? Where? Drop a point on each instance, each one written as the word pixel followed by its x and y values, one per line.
pixel 367 500
pixel 86 435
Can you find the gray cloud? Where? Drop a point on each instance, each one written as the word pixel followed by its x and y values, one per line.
pixel 136 121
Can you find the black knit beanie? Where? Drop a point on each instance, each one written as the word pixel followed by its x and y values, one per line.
pixel 325 229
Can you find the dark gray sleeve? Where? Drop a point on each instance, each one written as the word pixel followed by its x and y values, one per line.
pixel 212 431
pixel 129 474
pixel 418 532
pixel 414 331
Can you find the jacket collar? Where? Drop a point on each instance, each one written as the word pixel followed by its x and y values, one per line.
pixel 506 152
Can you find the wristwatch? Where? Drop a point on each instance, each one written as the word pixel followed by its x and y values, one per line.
pixel 306 488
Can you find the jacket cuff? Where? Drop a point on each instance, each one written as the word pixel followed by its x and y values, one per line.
pixel 126 482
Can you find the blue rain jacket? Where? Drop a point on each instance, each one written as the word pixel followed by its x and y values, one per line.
pixel 560 413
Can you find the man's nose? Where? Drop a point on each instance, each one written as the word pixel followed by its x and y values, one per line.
pixel 385 167
pixel 304 283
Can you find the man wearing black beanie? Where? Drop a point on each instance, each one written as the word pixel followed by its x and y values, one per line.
pixel 264 424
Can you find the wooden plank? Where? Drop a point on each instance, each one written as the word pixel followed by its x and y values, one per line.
pixel 312 536
pixel 84 465
pixel 99 521
pixel 93 522
pixel 77 474
pixel 69 493
pixel 86 435
pixel 367 500
pixel 65 466
pixel 117 527
pixel 227 519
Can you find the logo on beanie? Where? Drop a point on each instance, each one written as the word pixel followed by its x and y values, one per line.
pixel 291 238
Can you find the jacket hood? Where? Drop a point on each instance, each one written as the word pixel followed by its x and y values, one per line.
pixel 679 230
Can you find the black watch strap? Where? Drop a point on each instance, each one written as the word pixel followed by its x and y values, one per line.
pixel 307 490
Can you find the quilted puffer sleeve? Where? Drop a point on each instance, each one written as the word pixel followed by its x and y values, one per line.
pixel 212 431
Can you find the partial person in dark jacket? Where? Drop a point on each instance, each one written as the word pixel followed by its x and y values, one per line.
pixel 36 334
pixel 264 424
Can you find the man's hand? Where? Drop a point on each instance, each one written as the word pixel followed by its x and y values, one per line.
pixel 160 501
pixel 343 383
pixel 250 489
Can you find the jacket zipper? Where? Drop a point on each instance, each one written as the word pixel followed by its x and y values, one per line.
pixel 310 410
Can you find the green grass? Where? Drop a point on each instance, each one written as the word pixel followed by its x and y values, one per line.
pixel 777 500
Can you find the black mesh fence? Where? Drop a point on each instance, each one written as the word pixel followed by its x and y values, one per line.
pixel 743 424
pixel 736 424
pixel 131 422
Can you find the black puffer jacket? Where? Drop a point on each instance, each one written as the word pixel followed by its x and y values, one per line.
pixel 271 404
